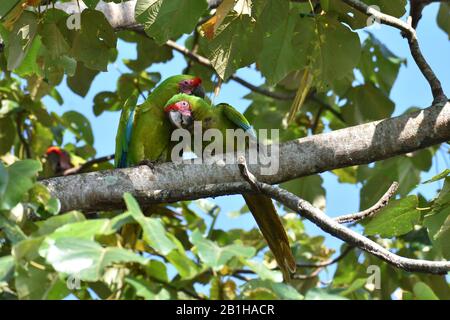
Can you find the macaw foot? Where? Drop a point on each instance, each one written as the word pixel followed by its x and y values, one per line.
pixel 148 163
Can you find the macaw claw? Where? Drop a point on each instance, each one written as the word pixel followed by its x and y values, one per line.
pixel 148 163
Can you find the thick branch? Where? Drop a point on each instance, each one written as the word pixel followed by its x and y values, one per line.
pixel 170 182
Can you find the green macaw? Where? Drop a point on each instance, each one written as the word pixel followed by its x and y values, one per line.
pixel 182 110
pixel 144 131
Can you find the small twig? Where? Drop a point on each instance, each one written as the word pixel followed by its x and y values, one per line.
pixel 246 174
pixel 214 213
pixel 87 164
pixel 410 33
pixel 328 262
pixel 384 200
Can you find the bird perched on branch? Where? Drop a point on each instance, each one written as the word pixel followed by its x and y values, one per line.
pixel 57 162
pixel 144 131
pixel 182 110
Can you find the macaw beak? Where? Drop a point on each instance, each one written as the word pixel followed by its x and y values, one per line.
pixel 180 120
pixel 199 91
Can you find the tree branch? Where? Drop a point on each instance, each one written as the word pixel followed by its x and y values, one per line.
pixel 410 33
pixel 88 164
pixel 330 226
pixel 171 182
pixel 354 217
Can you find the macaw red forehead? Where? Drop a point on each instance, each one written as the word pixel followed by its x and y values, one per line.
pixel 54 149
pixel 180 106
pixel 194 82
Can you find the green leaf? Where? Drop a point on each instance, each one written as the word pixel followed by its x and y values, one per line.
pixel 264 289
pixel 144 290
pixel 323 294
pixel 81 81
pixel 397 218
pixel 366 103
pixel 79 125
pixel 378 64
pixel 154 233
pixel 94 42
pixel 336 51
pixel 216 257
pixel 264 272
pixel 54 33
pixel 424 292
pixel 91 4
pixel 284 48
pixel 51 224
pixel 83 258
pixel 7 6
pixel 438 177
pixel 20 39
pixel 443 17
pixel 156 269
pixel 308 188
pixel 165 19
pixel 21 178
pixel 7 264
pixel 438 221
pixel 12 230
pixel 37 284
pixel 148 51
pixel 234 45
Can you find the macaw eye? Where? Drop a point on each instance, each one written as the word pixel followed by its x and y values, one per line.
pixel 184 104
pixel 185 82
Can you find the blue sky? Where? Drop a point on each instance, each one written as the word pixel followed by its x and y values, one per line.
pixel 410 89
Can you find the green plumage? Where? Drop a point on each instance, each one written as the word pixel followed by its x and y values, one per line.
pixel 144 132
pixel 223 117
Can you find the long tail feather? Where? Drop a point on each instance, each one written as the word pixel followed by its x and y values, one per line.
pixel 273 231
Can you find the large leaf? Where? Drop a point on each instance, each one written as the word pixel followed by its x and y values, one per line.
pixel 165 19
pixel 216 257
pixel 83 258
pixel 366 103
pixel 285 44
pixel 378 64
pixel 20 40
pixel 81 81
pixel 154 233
pixel 79 125
pixel 397 218
pixel 234 45
pixel 336 51
pixel 93 44
pixel 263 290
pixel 21 177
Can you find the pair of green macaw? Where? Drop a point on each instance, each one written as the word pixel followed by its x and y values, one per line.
pixel 144 135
